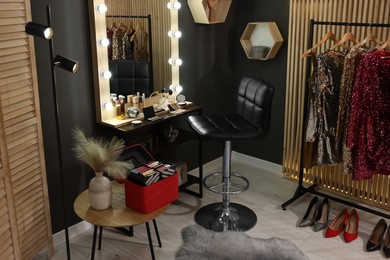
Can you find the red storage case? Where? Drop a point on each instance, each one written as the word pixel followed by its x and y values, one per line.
pixel 146 199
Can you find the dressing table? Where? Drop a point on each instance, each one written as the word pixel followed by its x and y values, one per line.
pixel 149 134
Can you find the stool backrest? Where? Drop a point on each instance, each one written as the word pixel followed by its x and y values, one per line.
pixel 254 102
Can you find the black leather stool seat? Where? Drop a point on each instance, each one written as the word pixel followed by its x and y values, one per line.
pixel 223 127
pixel 250 121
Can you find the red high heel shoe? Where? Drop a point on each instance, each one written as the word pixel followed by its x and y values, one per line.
pixel 351 226
pixel 337 224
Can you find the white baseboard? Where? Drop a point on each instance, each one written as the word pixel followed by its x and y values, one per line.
pixel 267 166
pixel 74 230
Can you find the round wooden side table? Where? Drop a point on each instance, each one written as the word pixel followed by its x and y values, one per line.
pixel 117 216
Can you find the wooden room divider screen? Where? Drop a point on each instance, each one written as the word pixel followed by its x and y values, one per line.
pixel 375 191
pixel 25 226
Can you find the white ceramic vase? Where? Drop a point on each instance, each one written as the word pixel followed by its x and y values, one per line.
pixel 100 192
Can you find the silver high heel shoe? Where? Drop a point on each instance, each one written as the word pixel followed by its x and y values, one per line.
pixel 311 213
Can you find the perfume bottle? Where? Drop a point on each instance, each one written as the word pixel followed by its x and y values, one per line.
pixel 122 107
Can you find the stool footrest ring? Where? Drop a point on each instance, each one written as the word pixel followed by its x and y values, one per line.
pixel 227 186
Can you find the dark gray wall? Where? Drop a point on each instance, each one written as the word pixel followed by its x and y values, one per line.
pixel 214 62
pixel 75 100
pixel 274 71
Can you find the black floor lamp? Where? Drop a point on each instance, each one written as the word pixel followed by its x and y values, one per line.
pixel 46 32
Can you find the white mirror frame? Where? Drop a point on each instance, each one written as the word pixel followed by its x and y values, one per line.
pixel 100 59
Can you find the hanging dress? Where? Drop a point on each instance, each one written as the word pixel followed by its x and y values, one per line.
pixel 141 39
pixel 323 109
pixel 351 64
pixel 369 124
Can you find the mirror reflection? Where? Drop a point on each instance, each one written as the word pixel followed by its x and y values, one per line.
pixel 138 47
pixel 160 47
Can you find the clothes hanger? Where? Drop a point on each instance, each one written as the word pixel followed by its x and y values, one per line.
pixel 369 38
pixel 327 36
pixel 130 28
pixel 384 45
pixel 347 37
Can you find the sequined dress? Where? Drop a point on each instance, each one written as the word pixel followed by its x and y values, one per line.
pixel 351 64
pixel 369 126
pixel 323 109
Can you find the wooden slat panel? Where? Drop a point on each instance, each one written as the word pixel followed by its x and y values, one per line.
pixel 19 186
pixel 13 43
pixel 23 169
pixel 21 114
pixel 14 50
pixel 13 35
pixel 18 99
pixel 11 14
pixel 14 72
pixel 12 21
pixel 11 6
pixel 5 227
pixel 376 190
pixel 25 199
pixel 14 64
pixel 21 133
pixel 15 85
pixel 21 201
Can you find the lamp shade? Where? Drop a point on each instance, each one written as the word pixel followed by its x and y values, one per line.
pixel 39 30
pixel 66 64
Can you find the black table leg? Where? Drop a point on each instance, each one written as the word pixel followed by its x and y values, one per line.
pixel 100 237
pixel 157 234
pixel 94 243
pixel 150 240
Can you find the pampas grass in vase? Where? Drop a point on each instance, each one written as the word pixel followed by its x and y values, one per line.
pixel 102 156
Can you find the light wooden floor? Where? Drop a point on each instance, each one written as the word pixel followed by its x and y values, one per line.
pixel 267 192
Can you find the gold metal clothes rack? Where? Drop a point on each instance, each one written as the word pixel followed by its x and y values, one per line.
pixel 302 189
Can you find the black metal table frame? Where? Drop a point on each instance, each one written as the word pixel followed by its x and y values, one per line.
pixel 130 232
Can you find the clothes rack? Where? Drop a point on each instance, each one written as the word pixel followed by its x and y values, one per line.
pixel 301 189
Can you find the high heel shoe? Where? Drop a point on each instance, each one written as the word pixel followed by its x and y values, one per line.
pixel 386 244
pixel 337 224
pixel 351 226
pixel 321 221
pixel 376 237
pixel 311 213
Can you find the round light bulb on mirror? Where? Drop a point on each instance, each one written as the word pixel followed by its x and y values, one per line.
pixel 179 88
pixel 102 8
pixel 176 88
pixel 104 42
pixel 174 34
pixel 106 74
pixel 107 105
pixel 174 5
pixel 175 61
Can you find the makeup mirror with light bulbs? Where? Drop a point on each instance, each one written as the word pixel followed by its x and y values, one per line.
pixel 166 15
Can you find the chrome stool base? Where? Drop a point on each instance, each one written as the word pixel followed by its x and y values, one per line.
pixel 214 217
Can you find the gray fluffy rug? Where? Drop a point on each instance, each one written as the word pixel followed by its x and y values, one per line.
pixel 201 244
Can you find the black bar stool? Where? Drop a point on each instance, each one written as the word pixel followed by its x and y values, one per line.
pixel 251 120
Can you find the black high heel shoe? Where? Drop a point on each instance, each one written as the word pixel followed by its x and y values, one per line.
pixel 311 213
pixel 386 244
pixel 376 239
pixel 321 221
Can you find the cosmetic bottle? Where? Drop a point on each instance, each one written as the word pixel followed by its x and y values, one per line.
pixel 117 108
pixel 122 106
pixel 135 101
